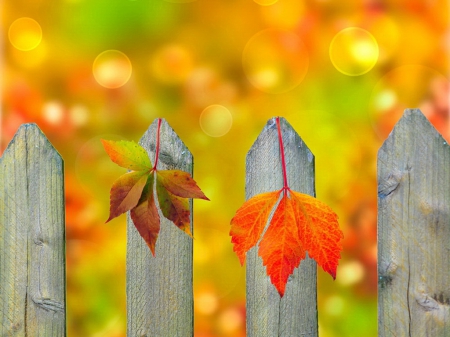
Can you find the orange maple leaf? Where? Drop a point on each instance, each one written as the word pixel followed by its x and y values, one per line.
pixel 133 191
pixel 300 224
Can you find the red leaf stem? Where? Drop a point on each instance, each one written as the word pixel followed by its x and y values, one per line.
pixel 157 145
pixel 283 161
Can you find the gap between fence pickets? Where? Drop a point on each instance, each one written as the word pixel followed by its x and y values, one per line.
pixel 32 237
pixel 296 313
pixel 414 230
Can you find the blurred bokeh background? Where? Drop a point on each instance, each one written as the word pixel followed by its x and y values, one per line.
pixel 341 72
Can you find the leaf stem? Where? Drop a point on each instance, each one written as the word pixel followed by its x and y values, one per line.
pixel 157 145
pixel 283 161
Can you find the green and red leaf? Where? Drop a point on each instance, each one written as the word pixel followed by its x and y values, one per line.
pixel 181 184
pixel 174 208
pixel 133 191
pixel 129 155
pixel 145 216
pixel 126 192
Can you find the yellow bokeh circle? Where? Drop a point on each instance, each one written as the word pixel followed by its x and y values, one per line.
pixel 25 34
pixel 112 69
pixel 354 51
pixel 216 120
pixel 275 60
pixel 53 112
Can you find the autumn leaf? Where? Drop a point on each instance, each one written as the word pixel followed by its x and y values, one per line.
pixel 126 192
pixel 300 223
pixel 281 248
pixel 318 231
pixel 126 154
pixel 180 183
pixel 133 191
pixel 174 208
pixel 249 222
pixel 145 216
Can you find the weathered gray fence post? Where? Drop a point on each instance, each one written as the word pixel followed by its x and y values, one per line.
pixel 32 237
pixel 414 231
pixel 296 313
pixel 159 289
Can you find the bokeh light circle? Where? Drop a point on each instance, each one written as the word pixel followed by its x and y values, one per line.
pixel 216 120
pixel 206 302
pixel 79 115
pixel 351 273
pixel 25 34
pixel 231 320
pixel 275 60
pixel 354 51
pixel 53 112
pixel 408 87
pixel 112 69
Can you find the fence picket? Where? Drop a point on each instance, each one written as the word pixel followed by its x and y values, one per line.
pixel 414 230
pixel 32 237
pixel 413 239
pixel 296 313
pixel 159 289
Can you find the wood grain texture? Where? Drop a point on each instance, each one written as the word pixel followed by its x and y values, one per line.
pixel 159 289
pixel 414 231
pixel 296 313
pixel 32 237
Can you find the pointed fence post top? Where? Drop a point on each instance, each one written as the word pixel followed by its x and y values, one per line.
pixel 29 136
pixel 264 164
pixel 173 153
pixel 413 173
pixel 32 237
pixel 270 130
pixel 296 313
pixel 413 124
pixel 159 289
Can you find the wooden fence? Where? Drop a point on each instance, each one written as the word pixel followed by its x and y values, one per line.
pixel 414 230
pixel 413 240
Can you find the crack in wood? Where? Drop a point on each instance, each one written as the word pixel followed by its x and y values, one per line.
pixel 409 261
pixel 407 297
pixel 25 318
pixel 48 304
